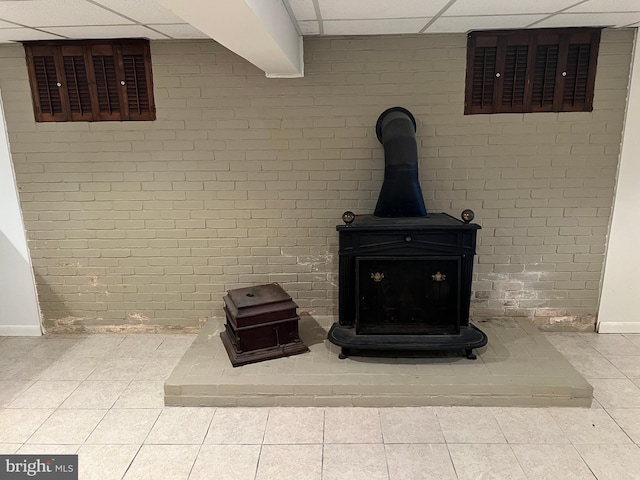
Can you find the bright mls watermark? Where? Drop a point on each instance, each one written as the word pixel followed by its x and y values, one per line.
pixel 49 467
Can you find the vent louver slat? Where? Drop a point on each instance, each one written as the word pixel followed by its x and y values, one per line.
pixel 514 78
pixel 106 84
pixel 77 85
pixel 48 90
pixel 136 82
pixel 544 76
pixel 575 84
pixel 484 67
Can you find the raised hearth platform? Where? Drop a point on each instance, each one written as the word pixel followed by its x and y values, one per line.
pixel 518 367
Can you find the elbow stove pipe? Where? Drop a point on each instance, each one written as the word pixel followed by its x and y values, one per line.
pixel 401 195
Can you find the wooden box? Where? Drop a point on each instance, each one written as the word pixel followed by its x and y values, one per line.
pixel 262 323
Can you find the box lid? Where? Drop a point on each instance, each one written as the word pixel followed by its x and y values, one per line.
pixel 250 297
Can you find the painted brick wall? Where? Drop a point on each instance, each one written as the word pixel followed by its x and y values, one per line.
pixel 242 179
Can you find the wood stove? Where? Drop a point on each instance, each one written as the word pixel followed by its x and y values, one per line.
pixel 405 275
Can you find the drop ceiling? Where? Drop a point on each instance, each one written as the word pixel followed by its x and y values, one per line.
pixel 22 20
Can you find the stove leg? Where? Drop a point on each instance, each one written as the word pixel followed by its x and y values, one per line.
pixel 344 353
pixel 469 354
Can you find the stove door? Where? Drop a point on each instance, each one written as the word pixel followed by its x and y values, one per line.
pixel 408 295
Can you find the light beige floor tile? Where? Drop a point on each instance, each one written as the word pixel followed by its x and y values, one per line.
pixel 124 426
pixel 139 345
pixel 226 462
pixel 69 369
pixel 105 462
pixel 588 426
pixel 410 425
pixel 529 425
pixel 610 345
pixel 24 369
pixel 352 425
pixel 551 462
pixel 95 394
pixel 67 427
pixel 96 346
pixel 612 462
pixel 593 337
pixel 594 365
pixel 18 346
pixel 237 426
pixel 158 368
pixel 290 461
pixel 44 394
pixel 486 462
pixel 354 462
pixel 6 361
pixel 166 462
pixel 9 448
pixel 629 365
pixel 17 425
pixel 118 369
pixel 181 426
pixel 53 347
pixel 45 449
pixel 142 394
pixel 294 426
pixel 10 389
pixel 629 420
pixel 419 462
pixel 616 393
pixel 469 425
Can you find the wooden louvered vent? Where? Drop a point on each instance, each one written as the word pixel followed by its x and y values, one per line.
pixel 77 85
pixel 483 77
pixel 91 80
pixel 576 82
pixel 514 76
pixel 545 70
pixel 544 77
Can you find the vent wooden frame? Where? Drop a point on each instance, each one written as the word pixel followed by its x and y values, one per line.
pixel 90 81
pixel 520 71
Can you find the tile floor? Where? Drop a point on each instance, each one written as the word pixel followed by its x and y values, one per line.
pixel 101 396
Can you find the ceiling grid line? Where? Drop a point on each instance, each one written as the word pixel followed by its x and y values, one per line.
pixel 437 16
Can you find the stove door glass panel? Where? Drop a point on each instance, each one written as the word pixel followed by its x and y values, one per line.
pixel 408 295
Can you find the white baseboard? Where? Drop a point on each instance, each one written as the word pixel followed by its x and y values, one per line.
pixel 20 331
pixel 619 327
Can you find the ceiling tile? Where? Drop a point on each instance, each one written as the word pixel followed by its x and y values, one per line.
pixel 379 9
pixel 24 34
pixel 112 31
pixel 47 13
pixel 492 22
pixel 600 6
pixel 506 7
pixel 143 11
pixel 309 27
pixel 303 9
pixel 8 25
pixel 374 27
pixel 181 30
pixel 590 20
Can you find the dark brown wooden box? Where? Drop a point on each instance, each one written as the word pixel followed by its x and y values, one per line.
pixel 262 323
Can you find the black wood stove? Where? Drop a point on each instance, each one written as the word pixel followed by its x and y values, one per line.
pixel 405 275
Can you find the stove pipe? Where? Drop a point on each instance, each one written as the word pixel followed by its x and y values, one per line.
pixel 400 195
